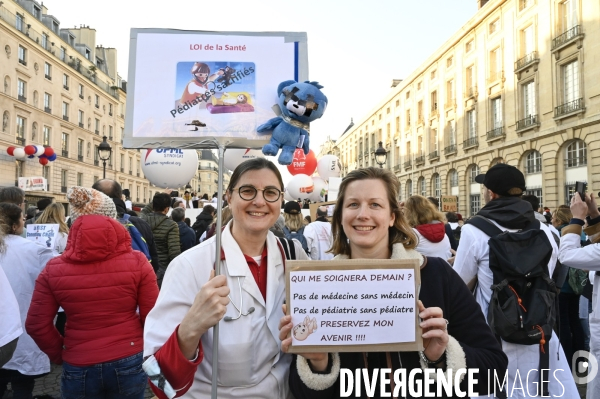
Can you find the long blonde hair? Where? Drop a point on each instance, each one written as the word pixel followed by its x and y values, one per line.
pixel 400 232
pixel 293 221
pixel 54 214
pixel 419 210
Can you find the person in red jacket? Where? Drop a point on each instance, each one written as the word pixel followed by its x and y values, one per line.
pixel 100 282
pixel 429 224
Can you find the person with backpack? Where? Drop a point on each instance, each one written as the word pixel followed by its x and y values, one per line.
pixel 203 221
pixel 510 257
pixel 114 191
pixel 294 225
pixel 187 237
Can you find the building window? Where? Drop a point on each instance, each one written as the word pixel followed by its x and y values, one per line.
pixel 470 81
pixel 46 175
pixel 408 118
pixel 47 71
pixel 494 26
pixel 495 65
pixel 97 125
pixel 45 41
pixel 538 193
pixel 408 94
pixel 419 85
pixel 22 55
pixel 496 112
pixel 46 138
pixel 81 118
pixel 570 77
pixel 64 178
pixel 450 93
pixel 47 102
pixel 110 132
pixel 576 154
pixel 527 41
pixel 533 162
pixel 568 14
pixel 449 61
pixel 471 124
pixel 22 90
pixel 80 90
pixel 80 179
pixel 423 187
pixel 469 46
pixel 437 187
pixel 433 144
pixel 66 81
pixel 110 109
pixel 454 178
pixel 65 111
pixel 21 123
pixel 475 200
pixel 473 172
pixel 64 143
pixel 37 12
pixel 96 101
pixel 434 101
pixel 63 53
pixel 19 22
pixel 20 165
pixel 409 188
pixel 80 146
pixel 433 74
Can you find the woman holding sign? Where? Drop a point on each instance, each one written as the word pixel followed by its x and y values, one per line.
pixel 368 224
pixel 245 301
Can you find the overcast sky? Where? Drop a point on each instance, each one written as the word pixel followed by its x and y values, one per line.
pixel 355 48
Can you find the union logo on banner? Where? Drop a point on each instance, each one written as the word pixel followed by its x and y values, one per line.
pixel 36 183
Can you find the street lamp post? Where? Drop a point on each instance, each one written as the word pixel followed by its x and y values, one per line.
pixel 380 155
pixel 104 153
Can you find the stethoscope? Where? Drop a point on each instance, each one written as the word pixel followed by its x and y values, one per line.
pixel 240 313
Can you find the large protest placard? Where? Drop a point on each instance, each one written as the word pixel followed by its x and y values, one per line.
pixel 192 89
pixel 354 305
pixel 42 234
pixel 35 183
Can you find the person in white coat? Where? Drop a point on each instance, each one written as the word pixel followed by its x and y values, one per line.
pixel 10 328
pixel 318 236
pixel 245 300
pixel 503 185
pixel 587 258
pixel 22 261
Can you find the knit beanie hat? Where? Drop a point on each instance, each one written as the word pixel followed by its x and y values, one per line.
pixel 87 201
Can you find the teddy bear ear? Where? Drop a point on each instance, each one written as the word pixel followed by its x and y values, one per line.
pixel 284 84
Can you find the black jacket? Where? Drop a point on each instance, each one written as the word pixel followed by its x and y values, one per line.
pixel 144 229
pixel 450 234
pixel 440 287
pixel 203 220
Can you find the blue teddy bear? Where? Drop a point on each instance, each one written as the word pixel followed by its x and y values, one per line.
pixel 300 104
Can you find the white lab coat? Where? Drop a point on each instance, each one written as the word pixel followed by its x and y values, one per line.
pixel 251 364
pixel 319 240
pixel 587 258
pixel 10 327
pixel 472 259
pixel 22 263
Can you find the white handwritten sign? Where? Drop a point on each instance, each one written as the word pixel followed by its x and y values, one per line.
pixel 354 303
pixel 43 234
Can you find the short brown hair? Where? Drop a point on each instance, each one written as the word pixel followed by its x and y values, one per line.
pixel 400 232
pixel 420 210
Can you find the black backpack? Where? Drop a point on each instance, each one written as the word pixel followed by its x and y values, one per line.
pixel 524 300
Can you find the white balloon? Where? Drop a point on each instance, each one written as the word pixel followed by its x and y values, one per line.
pixel 169 167
pixel 287 196
pixel 320 190
pixel 300 186
pixel 235 156
pixel 19 153
pixel 40 150
pixel 329 166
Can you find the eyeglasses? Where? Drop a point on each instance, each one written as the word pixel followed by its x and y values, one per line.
pixel 248 193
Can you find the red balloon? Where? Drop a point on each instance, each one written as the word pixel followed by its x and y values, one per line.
pixel 44 161
pixel 303 164
pixel 49 151
pixel 10 151
pixel 30 150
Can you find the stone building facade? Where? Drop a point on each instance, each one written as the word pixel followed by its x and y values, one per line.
pixel 513 86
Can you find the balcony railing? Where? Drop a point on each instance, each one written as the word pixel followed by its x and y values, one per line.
pixel 97 131
pixel 575 162
pixel 110 138
pixel 21 140
pixel 407 164
pixel 48 77
pixel 48 110
pixel 97 106
pixel 81 125
pixel 122 170
pixel 65 153
pixel 65 118
pixel 434 155
pixel 22 62
pixel 570 107
pixel 470 143
pixel 81 96
pixel 566 37
pixel 529 59
pixel 65 87
pixel 96 162
pixel 63 189
pixel 450 149
pixel 138 174
pixel 21 98
pixel 216 181
pixel 110 114
pixel 420 160
pixel 80 157
pixel 533 168
pixel 131 172
pixel 471 92
pixel 396 168
pixel 496 133
pixel 531 120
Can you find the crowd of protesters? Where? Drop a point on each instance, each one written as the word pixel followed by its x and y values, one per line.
pixel 99 306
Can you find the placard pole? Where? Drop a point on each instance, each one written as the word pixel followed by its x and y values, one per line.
pixel 215 352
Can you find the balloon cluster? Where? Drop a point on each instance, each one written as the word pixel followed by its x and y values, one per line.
pixel 302 185
pixel 44 154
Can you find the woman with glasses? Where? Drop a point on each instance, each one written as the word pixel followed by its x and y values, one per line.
pixel 245 300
